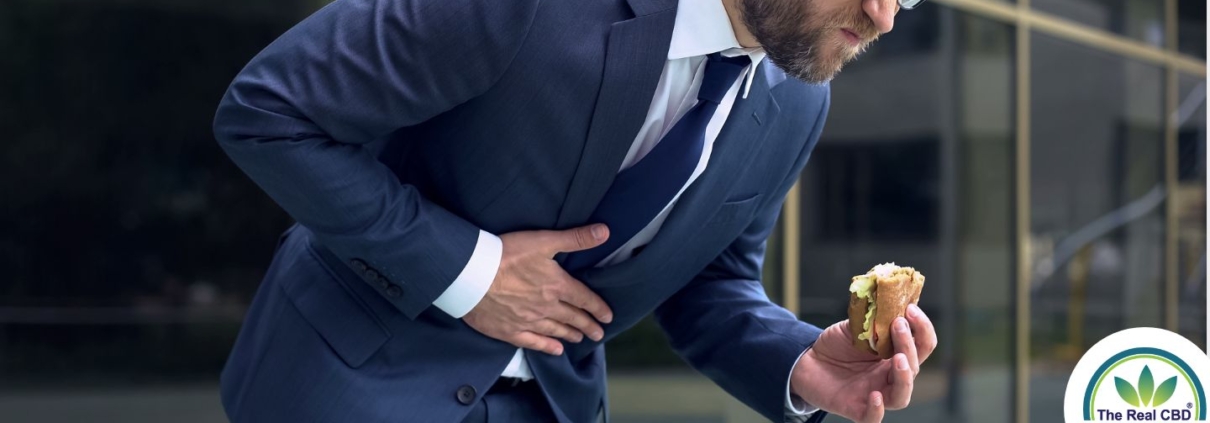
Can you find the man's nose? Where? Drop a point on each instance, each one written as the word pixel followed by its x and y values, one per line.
pixel 882 13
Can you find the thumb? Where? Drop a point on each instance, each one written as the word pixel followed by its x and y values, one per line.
pixel 579 239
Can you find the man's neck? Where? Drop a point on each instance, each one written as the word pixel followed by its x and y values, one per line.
pixel 742 35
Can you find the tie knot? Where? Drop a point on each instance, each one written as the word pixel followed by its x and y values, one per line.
pixel 720 74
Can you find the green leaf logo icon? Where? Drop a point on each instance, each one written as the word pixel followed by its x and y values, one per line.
pixel 1147 394
pixel 1164 392
pixel 1126 391
pixel 1146 386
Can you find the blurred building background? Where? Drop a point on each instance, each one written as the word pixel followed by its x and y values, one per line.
pixel 1043 162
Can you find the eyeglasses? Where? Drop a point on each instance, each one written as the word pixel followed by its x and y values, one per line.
pixel 909 4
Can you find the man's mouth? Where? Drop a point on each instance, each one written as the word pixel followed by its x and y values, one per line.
pixel 851 36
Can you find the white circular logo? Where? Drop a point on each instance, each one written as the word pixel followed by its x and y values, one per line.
pixel 1139 374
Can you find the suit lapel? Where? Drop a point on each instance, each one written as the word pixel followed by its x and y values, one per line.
pixel 634 59
pixel 742 136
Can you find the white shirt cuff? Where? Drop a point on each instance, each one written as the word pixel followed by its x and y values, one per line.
pixel 795 406
pixel 470 285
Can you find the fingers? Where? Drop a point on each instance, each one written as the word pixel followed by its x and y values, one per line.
pixel 874 410
pixel 923 331
pixel 578 319
pixel 901 380
pixel 555 329
pixel 576 239
pixel 901 336
pixel 537 342
pixel 575 293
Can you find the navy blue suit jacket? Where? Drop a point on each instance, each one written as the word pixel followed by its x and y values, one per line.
pixel 393 130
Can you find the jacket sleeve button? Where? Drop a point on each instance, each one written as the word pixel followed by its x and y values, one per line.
pixel 466 395
pixel 393 291
pixel 359 265
pixel 371 275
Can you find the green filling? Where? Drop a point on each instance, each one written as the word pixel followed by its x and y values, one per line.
pixel 862 286
pixel 869 319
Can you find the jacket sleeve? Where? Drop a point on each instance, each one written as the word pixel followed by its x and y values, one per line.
pixel 298 117
pixel 724 325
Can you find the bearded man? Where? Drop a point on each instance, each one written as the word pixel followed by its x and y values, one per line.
pixel 486 192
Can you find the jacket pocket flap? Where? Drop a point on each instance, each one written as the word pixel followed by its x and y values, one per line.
pixel 341 319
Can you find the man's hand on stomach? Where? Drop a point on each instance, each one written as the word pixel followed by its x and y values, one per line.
pixel 533 300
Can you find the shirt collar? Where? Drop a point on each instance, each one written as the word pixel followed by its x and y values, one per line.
pixel 702 28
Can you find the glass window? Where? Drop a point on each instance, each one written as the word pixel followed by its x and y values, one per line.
pixel 1096 172
pixel 123 259
pixel 869 198
pixel 1141 20
pixel 915 32
pixel 1191 208
pixel 918 171
pixel 984 281
pixel 1191 27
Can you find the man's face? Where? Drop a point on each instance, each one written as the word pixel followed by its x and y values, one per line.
pixel 812 39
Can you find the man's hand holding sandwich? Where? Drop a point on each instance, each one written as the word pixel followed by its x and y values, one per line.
pixel 862 366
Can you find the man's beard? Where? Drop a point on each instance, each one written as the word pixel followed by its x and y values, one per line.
pixel 801 41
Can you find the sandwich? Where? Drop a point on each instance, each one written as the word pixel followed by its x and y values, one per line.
pixel 876 299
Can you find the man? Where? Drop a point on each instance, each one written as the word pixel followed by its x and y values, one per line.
pixel 488 191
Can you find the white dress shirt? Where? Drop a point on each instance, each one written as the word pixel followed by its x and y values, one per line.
pixel 701 28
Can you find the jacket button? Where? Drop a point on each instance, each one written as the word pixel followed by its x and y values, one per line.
pixel 371 275
pixel 359 265
pixel 393 291
pixel 466 395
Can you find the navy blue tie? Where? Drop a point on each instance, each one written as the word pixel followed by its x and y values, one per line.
pixel 640 192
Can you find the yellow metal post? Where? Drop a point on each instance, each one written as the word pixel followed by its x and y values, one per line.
pixel 791 218
pixel 1078 271
pixel 1171 247
pixel 1023 221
